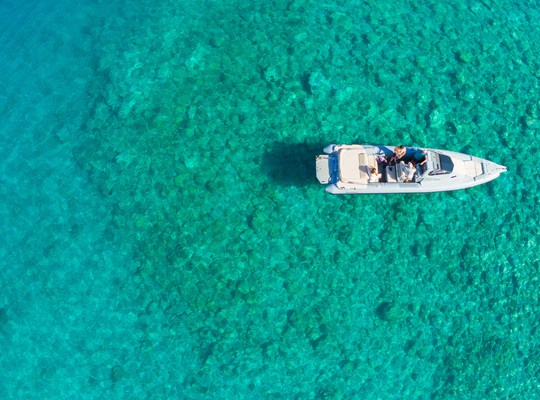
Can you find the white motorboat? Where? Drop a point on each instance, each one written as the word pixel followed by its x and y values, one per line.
pixel 366 169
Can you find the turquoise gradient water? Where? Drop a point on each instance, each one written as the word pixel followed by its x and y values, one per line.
pixel 163 233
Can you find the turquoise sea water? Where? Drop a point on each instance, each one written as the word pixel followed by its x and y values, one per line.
pixel 163 234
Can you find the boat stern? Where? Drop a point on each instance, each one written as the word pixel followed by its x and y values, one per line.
pixel 322 163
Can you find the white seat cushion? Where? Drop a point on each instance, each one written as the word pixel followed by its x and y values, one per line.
pixel 352 166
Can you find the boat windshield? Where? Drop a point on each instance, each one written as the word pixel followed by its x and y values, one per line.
pixel 446 163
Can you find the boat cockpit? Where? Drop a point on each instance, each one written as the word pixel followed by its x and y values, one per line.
pixel 411 170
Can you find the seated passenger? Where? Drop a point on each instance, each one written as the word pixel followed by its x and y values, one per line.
pixel 374 176
pixel 381 159
pixel 407 172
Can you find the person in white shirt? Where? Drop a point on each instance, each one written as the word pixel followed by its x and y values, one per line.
pixel 407 171
pixel 374 176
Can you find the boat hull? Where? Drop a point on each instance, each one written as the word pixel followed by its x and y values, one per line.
pixel 466 172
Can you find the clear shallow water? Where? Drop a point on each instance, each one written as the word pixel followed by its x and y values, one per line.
pixel 164 234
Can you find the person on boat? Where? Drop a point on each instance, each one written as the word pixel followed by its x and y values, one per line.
pixel 374 176
pixel 407 171
pixel 420 157
pixel 381 159
pixel 399 153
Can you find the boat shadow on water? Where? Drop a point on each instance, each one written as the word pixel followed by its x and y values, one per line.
pixel 291 164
